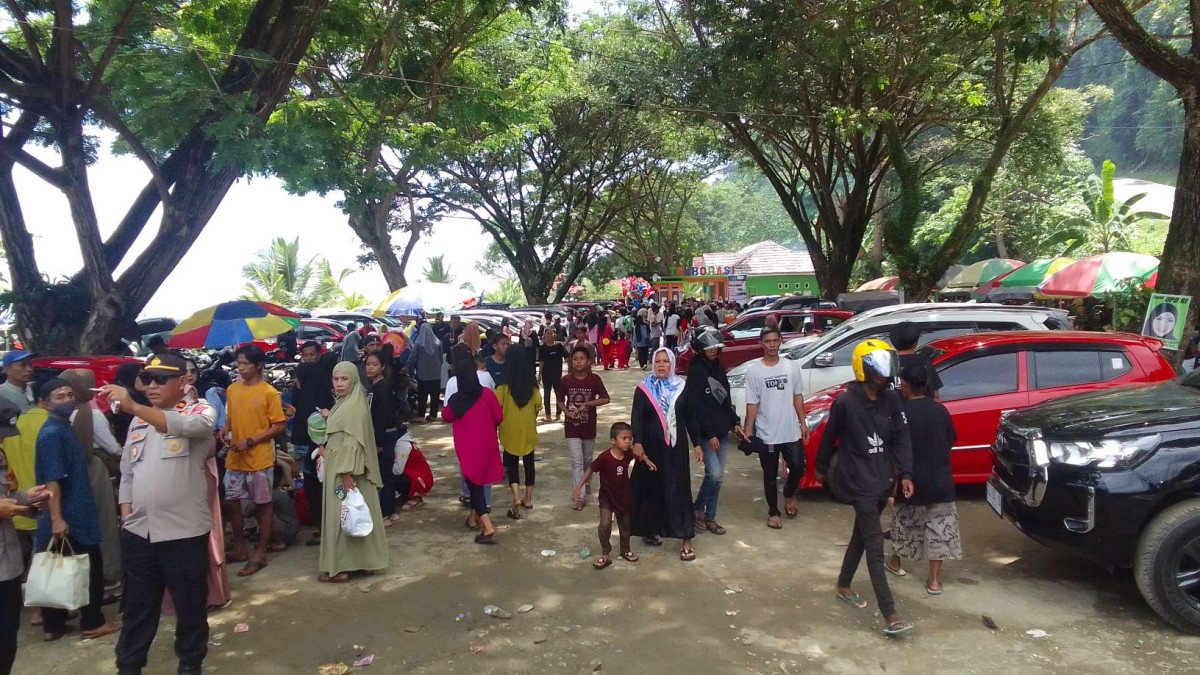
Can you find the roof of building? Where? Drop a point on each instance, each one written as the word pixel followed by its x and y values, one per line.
pixel 761 259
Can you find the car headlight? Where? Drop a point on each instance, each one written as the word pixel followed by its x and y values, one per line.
pixel 738 380
pixel 1105 454
pixel 815 418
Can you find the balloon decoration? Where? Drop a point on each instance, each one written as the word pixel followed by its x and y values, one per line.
pixel 635 289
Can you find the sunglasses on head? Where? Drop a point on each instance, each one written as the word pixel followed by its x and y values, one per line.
pixel 156 378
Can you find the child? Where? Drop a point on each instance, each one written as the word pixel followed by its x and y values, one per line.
pixel 622 349
pixel 926 524
pixel 615 497
pixel 580 393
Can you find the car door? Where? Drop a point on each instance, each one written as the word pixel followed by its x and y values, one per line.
pixel 977 388
pixel 1060 370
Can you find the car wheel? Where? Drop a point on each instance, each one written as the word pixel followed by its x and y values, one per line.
pixel 1167 565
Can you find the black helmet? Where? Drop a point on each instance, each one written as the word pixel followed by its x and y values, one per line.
pixel 707 339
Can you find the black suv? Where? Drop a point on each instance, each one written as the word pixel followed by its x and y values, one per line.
pixel 1113 476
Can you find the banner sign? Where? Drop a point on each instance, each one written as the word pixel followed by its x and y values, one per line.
pixel 1166 316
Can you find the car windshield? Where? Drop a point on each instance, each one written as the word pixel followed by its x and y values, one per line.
pixel 1192 379
pixel 929 353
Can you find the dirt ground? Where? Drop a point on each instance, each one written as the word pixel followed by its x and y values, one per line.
pixel 755 601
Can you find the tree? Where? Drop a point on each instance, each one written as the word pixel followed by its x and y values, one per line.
pixel 547 194
pixel 508 292
pixel 1108 225
pixel 278 276
pixel 187 89
pixel 1179 271
pixel 437 271
pixel 657 226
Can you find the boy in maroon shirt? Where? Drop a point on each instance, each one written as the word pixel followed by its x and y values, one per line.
pixel 615 497
pixel 580 393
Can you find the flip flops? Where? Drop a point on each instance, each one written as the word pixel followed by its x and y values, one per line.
pixel 930 590
pixel 602 562
pixel 687 556
pixel 482 538
pixel 854 600
pixel 325 578
pixel 897 571
pixel 712 526
pixel 774 523
pixel 251 568
pixel 106 629
pixel 897 628
pixel 630 556
pixel 515 513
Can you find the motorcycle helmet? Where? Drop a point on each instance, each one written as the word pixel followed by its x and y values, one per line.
pixel 874 357
pixel 707 339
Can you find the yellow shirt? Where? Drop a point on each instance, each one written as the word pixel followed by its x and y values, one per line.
pixel 21 451
pixel 251 410
pixel 518 431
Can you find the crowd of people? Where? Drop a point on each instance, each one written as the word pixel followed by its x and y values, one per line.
pixel 149 490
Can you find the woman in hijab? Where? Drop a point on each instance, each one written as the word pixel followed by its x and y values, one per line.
pixel 127 376
pixel 426 364
pixel 661 485
pixel 350 462
pixel 91 428
pixel 520 402
pixel 471 337
pixel 475 414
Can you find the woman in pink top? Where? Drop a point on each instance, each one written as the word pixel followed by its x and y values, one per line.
pixel 475 414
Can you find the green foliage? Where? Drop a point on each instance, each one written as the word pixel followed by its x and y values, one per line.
pixel 277 275
pixel 508 291
pixel 1107 225
pixel 437 271
pixel 1129 305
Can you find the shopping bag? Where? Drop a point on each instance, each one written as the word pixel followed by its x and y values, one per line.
pixel 356 518
pixel 58 579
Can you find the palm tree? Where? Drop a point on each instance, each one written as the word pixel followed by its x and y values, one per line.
pixel 1108 225
pixel 278 276
pixel 438 272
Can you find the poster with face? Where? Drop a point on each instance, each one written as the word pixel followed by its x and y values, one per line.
pixel 1166 316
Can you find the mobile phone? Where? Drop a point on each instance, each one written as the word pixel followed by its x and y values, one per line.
pixel 95 390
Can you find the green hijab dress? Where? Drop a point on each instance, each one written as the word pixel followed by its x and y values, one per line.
pixel 350 449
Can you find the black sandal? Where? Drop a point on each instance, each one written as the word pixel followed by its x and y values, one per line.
pixel 652 541
pixel 514 513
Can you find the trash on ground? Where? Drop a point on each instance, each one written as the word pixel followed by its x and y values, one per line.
pixel 364 661
pixel 538 641
pixel 497 612
pixel 241 628
pixel 585 553
pixel 412 629
pixel 476 649
pixel 596 665
pixel 525 609
pixel 732 612
pixel 989 622
pixel 461 617
pixel 1037 633
pixel 333 669
pixel 548 553
pixel 734 587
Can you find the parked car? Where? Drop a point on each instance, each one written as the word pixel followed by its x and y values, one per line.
pixel 1115 477
pixel 802 302
pixel 760 301
pixel 825 362
pixel 326 332
pixel 742 338
pixel 987 375
pixel 359 318
pixel 104 367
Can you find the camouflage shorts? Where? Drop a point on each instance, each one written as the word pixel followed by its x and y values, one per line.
pixel 926 532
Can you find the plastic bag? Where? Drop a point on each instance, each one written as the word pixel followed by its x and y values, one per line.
pixel 58 579
pixel 356 518
pixel 320 465
pixel 404 448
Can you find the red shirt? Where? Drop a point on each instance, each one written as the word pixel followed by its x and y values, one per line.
pixel 614 482
pixel 577 391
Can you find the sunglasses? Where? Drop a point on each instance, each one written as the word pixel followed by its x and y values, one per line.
pixel 147 378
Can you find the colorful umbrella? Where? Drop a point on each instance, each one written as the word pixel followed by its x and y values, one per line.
pixel 880 284
pixel 422 297
pixel 396 339
pixel 973 276
pixel 1025 279
pixel 1098 276
pixel 233 323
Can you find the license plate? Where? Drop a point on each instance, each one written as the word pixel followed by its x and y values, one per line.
pixel 994 500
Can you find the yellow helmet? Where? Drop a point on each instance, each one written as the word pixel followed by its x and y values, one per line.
pixel 876 357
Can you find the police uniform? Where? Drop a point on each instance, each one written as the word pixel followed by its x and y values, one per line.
pixel 164 539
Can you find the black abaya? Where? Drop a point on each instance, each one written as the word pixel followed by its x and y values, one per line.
pixel 662 500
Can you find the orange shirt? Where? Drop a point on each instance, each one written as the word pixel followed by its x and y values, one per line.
pixel 251 411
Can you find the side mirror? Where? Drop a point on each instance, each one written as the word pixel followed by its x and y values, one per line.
pixel 824 360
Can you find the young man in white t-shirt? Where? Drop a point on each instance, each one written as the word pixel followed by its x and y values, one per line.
pixel 775 414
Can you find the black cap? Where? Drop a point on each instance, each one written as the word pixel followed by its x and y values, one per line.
pixel 373 337
pixel 8 418
pixel 166 364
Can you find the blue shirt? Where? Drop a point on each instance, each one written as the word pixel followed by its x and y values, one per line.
pixel 60 458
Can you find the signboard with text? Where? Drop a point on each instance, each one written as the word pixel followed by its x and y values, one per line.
pixel 1166 316
pixel 737 287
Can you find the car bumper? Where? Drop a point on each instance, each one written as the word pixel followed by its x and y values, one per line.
pixel 1089 514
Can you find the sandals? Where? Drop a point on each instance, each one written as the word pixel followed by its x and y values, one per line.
pixel 339 578
pixel 514 513
pixel 464 500
pixel 272 548
pixel 579 504
pixel 467 522
pixel 251 568
pixel 482 538
pixel 602 562
pixel 106 629
pixel 930 590
pixel 790 508
pixel 854 600
pixel 712 526
pixel 629 556
pixel 899 571
pixel 414 503
pixel 652 541
pixel 527 506
pixel 898 627
pixel 237 559
pixel 687 556
pixel 774 523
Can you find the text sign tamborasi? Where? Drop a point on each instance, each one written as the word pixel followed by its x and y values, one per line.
pixel 711 271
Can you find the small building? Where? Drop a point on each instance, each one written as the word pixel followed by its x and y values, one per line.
pixel 765 268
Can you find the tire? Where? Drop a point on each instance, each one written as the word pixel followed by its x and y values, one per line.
pixel 1159 553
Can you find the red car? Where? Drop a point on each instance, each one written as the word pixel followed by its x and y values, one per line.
pixel 105 368
pixel 742 341
pixel 324 332
pixel 986 375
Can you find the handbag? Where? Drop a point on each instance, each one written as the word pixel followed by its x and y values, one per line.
pixel 356 518
pixel 58 580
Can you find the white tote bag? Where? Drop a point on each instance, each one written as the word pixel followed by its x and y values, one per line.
pixel 58 579
pixel 356 517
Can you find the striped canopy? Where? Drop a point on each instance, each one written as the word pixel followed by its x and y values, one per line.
pixel 980 273
pixel 233 323
pixel 1099 276
pixel 1025 279
pixel 880 284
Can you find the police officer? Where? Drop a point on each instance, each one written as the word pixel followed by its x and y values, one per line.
pixel 165 517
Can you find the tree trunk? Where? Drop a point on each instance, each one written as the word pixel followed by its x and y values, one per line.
pixel 1179 271
pixel 370 224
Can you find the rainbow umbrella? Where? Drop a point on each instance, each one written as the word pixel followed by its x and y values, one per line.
pixel 1099 276
pixel 422 297
pixel 973 276
pixel 880 284
pixel 233 323
pixel 1025 279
